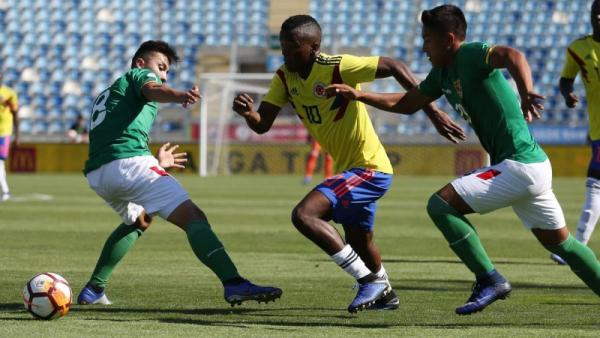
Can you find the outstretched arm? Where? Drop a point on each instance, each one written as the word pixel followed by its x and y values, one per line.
pixel 260 121
pixel 516 64
pixel 389 67
pixel 401 103
pixel 155 92
pixel 566 89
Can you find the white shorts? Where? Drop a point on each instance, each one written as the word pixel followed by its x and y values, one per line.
pixel 135 184
pixel 527 188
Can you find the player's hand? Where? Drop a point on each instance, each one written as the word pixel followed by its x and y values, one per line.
pixel 167 158
pixel 571 100
pixel 532 106
pixel 190 97
pixel 343 89
pixel 243 104
pixel 446 127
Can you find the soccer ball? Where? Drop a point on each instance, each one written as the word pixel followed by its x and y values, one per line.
pixel 47 296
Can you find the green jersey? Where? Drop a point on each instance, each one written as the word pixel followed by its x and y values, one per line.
pixel 483 97
pixel 121 120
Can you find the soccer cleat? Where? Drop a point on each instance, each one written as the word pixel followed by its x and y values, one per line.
pixel 387 302
pixel 236 294
pixel 558 259
pixel 5 197
pixel 306 180
pixel 484 295
pixel 88 296
pixel 368 294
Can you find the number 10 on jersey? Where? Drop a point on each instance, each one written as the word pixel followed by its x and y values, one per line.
pixel 312 114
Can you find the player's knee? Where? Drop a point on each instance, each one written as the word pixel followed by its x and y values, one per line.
pixel 143 222
pixel 433 206
pixel 299 216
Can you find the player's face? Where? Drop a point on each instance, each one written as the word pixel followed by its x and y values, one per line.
pixel 297 53
pixel 158 63
pixel 436 45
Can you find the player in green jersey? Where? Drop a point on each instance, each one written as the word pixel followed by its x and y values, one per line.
pixel 122 170
pixel 520 174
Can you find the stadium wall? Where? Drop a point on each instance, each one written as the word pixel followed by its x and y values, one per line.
pixel 447 160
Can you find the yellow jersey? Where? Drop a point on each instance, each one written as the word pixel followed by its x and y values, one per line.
pixel 582 57
pixel 8 103
pixel 342 127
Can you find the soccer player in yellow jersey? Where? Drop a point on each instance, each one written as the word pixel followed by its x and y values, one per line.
pixel 9 124
pixel 583 57
pixel 344 130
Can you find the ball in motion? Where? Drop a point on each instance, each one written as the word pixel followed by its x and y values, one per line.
pixel 47 296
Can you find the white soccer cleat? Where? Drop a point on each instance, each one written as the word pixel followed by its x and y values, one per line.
pixel 5 197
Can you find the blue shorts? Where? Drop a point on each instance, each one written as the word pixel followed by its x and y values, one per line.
pixel 594 167
pixel 353 194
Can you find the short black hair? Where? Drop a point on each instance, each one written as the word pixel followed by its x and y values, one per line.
pixel 296 21
pixel 446 19
pixel 152 46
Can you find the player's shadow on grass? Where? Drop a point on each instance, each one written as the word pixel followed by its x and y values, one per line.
pixel 272 317
pixel 457 261
pixel 277 322
pixel 460 285
pixel 209 311
pixel 12 307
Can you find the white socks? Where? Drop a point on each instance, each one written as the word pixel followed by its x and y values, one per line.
pixel 591 211
pixel 3 184
pixel 382 274
pixel 349 260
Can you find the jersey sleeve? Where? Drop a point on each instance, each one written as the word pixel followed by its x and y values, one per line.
pixel 277 94
pixel 141 77
pixel 570 68
pixel 358 69
pixel 431 86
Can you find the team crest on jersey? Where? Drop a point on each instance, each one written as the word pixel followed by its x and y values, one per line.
pixel 319 89
pixel 458 88
pixel 294 91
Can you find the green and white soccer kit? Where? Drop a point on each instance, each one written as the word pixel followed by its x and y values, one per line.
pixel 521 174
pixel 120 167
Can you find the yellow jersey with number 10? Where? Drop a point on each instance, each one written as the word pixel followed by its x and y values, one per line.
pixel 8 102
pixel 342 127
pixel 582 57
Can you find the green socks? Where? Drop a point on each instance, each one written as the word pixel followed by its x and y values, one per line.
pixel 581 259
pixel 210 251
pixel 461 236
pixel 115 248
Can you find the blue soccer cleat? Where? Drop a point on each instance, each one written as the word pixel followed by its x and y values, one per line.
pixel 368 294
pixel 484 295
pixel 387 302
pixel 558 259
pixel 88 296
pixel 236 294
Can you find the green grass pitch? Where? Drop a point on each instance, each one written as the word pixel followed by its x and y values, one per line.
pixel 56 223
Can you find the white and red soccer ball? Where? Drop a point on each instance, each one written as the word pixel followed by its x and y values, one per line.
pixel 47 296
